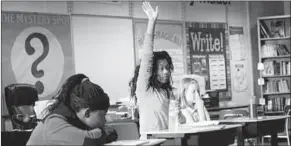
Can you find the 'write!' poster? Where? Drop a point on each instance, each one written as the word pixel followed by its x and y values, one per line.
pixel 37 50
pixel 208 55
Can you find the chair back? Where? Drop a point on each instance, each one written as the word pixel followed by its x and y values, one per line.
pixel 226 114
pixel 125 130
pixel 20 100
pixel 287 111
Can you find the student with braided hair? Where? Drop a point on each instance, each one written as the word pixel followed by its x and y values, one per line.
pixel 77 117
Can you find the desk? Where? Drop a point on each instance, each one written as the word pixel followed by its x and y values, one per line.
pixel 225 108
pixel 148 142
pixel 254 128
pixel 15 138
pixel 207 136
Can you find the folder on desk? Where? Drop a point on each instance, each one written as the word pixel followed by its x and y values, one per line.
pixel 127 143
pixel 201 124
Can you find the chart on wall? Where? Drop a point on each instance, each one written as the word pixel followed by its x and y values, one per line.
pixel 168 37
pixel 238 58
pixel 36 49
pixel 208 55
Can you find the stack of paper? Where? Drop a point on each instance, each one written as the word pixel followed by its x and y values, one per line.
pixel 128 142
pixel 200 124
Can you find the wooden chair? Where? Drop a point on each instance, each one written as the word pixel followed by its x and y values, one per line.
pixel 228 114
pixel 285 134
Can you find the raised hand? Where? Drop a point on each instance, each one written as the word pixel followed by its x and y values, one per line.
pixel 150 12
pixel 198 99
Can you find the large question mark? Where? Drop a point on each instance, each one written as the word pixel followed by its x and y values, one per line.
pixel 30 50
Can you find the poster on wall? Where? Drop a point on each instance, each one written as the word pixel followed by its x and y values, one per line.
pixel 37 50
pixel 240 83
pixel 238 57
pixel 168 37
pixel 237 43
pixel 207 53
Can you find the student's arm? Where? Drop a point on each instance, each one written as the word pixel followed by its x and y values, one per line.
pixel 145 70
pixel 200 107
pixel 60 132
pixel 206 114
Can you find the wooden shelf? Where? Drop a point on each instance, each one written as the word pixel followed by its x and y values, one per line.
pixel 278 38
pixel 276 76
pixel 274 112
pixel 265 36
pixel 277 93
pixel 277 57
pixel 274 17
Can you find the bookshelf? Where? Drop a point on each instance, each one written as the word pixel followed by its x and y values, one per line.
pixel 274 54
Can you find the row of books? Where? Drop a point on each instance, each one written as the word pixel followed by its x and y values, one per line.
pixel 277 86
pixel 274 28
pixel 277 104
pixel 271 50
pixel 277 68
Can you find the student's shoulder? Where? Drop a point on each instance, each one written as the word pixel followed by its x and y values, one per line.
pixel 55 120
pixel 54 117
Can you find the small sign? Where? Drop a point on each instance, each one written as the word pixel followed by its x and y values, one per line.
pixel 260 66
pixel 262 101
pixel 261 81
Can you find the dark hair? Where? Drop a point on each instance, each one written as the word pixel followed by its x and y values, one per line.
pixel 77 93
pixel 132 82
pixel 153 81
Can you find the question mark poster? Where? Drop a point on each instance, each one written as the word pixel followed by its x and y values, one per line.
pixel 36 49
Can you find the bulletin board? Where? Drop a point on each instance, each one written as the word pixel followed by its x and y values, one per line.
pixel 104 52
pixel 208 55
pixel 168 37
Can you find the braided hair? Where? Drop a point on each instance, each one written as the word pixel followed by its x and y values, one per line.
pixel 78 93
pixel 132 82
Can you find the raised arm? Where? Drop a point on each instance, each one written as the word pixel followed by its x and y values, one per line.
pixel 200 107
pixel 145 70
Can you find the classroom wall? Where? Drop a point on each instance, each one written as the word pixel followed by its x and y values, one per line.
pixel 235 14
pixel 258 9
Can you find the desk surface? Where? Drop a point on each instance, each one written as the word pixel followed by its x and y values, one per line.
pixel 249 120
pixel 226 108
pixel 180 132
pixel 148 142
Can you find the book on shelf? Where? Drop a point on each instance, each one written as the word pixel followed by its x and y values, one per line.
pixel 275 28
pixel 278 28
pixel 265 32
pixel 276 104
pixel 272 50
pixel 288 28
pixel 276 67
pixel 277 86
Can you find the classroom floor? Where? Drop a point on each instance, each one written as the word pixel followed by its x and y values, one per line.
pixel 267 144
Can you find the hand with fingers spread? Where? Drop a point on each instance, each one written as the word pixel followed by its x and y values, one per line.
pixel 150 12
